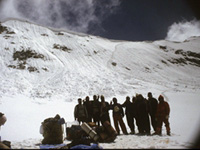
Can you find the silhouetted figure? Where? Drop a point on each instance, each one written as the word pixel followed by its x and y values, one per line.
pixel 129 114
pixel 80 112
pixel 134 109
pixel 96 110
pixel 162 115
pixel 142 115
pixel 118 115
pixel 104 110
pixel 153 103
pixel 88 106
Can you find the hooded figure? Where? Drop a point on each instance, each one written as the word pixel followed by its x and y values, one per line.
pixel 162 115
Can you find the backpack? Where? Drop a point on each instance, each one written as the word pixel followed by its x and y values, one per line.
pixel 106 132
pixel 75 132
pixel 52 131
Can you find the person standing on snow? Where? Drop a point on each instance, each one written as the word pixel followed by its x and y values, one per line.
pixel 134 105
pixel 129 114
pixel 118 115
pixel 142 115
pixel 96 110
pixel 88 106
pixel 104 110
pixel 80 112
pixel 153 103
pixel 162 115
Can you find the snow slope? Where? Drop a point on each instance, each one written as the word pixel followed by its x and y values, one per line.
pixel 44 71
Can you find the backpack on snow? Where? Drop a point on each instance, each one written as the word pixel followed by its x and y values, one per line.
pixel 75 132
pixel 52 130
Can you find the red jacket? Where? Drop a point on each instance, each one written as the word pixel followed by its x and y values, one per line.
pixel 163 109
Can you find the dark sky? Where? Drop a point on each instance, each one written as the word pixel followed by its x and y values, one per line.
pixel 147 19
pixel 133 20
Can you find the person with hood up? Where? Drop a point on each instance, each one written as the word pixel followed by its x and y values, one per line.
pixel 162 115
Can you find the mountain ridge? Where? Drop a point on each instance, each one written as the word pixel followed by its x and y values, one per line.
pixel 39 62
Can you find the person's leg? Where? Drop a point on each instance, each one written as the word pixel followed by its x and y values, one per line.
pixel 122 125
pixel 147 125
pixel 166 121
pixel 153 122
pixel 129 119
pixel 159 127
pixel 115 118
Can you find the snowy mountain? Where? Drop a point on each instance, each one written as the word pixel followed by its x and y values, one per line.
pixel 54 67
pixel 41 62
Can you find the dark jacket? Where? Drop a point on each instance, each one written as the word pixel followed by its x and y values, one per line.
pixel 128 107
pixel 80 111
pixel 96 107
pixel 104 108
pixel 88 105
pixel 142 108
pixel 134 109
pixel 153 104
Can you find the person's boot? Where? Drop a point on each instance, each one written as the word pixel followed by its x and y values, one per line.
pixel 158 131
pixel 132 132
pixel 168 131
pixel 148 133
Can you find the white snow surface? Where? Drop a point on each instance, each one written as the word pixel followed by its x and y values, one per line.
pixel 70 65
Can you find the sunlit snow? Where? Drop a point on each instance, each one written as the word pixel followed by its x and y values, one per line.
pixel 63 66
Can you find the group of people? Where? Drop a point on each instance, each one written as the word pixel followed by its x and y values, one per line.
pixel 139 111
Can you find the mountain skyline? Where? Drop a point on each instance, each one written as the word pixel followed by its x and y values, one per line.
pixel 44 72
pixel 136 20
pixel 37 53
